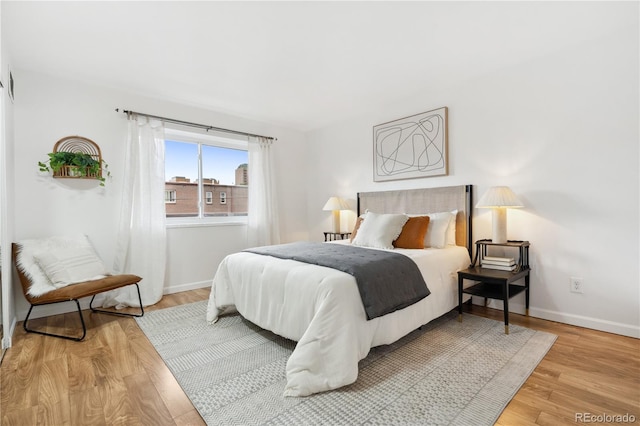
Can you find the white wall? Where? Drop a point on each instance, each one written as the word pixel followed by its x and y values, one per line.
pixel 186 271
pixel 47 109
pixel 562 132
pixel 6 195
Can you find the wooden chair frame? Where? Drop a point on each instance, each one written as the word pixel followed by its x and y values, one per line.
pixel 74 293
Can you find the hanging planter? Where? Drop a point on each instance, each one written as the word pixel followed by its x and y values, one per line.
pixel 76 157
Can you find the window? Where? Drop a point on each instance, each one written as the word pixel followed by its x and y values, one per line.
pixel 169 196
pixel 200 167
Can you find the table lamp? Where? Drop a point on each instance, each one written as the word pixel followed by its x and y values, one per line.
pixel 499 199
pixel 336 204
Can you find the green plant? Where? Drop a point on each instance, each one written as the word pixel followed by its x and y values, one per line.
pixel 78 164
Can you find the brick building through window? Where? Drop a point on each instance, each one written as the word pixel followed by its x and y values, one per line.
pixel 219 200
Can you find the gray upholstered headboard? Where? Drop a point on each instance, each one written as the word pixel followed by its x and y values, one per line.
pixel 425 200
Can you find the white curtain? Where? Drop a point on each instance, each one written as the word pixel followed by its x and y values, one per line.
pixel 141 244
pixel 263 225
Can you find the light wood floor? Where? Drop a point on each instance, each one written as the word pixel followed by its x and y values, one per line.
pixel 116 377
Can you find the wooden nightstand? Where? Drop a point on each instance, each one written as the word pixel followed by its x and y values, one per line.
pixel 333 236
pixel 494 283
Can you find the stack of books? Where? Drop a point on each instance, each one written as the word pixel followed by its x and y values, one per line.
pixel 501 263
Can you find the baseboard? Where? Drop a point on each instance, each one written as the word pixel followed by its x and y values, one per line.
pixel 6 340
pixel 571 319
pixel 53 309
pixel 588 322
pixel 186 287
pixel 577 320
pixel 63 308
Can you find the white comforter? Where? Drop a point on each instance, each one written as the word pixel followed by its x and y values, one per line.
pixel 321 309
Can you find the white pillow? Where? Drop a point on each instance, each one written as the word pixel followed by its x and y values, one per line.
pixel 451 230
pixel 71 265
pixel 442 229
pixel 29 249
pixel 379 230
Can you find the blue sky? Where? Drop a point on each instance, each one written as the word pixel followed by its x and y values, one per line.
pixel 181 159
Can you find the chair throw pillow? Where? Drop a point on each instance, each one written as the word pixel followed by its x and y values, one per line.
pixel 34 252
pixel 71 265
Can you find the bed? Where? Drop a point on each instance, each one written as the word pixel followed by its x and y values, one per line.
pixel 321 308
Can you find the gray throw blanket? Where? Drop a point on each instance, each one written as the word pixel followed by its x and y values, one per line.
pixel 387 281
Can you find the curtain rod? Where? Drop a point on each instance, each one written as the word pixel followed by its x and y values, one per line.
pixel 200 126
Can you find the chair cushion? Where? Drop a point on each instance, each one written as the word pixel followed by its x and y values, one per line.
pixel 86 288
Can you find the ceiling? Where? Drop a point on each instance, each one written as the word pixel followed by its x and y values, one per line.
pixel 301 65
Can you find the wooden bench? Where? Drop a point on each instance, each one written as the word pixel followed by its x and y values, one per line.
pixel 73 293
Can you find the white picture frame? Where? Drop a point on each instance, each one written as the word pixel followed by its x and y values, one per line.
pixel 411 147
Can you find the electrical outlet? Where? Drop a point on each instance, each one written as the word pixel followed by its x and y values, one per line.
pixel 575 285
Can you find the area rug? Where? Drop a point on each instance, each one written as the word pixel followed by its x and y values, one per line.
pixel 447 373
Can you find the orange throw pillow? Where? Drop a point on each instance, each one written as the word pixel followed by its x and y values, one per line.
pixel 413 233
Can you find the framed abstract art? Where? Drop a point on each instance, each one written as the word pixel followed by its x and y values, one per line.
pixel 411 147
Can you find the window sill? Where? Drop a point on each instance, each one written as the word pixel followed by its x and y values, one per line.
pixel 171 224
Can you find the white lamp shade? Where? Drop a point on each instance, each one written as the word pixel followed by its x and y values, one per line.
pixel 499 199
pixel 336 203
pixel 499 196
